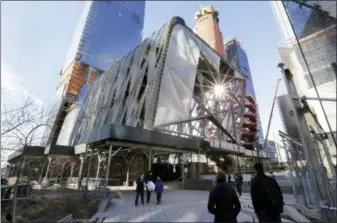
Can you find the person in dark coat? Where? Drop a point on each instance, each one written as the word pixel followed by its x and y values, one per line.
pixel 147 178
pixel 238 181
pixel 223 202
pixel 159 189
pixel 266 196
pixel 139 190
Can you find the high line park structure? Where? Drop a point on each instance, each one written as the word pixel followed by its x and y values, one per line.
pixel 158 103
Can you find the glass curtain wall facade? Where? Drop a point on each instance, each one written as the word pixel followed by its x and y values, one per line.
pixel 106 31
pixel 315 31
pixel 239 59
pixel 317 37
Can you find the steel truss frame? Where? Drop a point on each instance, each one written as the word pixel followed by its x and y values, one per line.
pixel 130 92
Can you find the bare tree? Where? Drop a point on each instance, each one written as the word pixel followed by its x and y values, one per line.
pixel 21 125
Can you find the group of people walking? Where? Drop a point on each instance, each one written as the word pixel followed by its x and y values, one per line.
pixel 223 202
pixel 148 183
pixel 267 198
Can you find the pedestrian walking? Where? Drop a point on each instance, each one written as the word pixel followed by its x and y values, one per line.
pixel 139 190
pixel 159 189
pixel 238 181
pixel 266 196
pixel 148 179
pixel 223 202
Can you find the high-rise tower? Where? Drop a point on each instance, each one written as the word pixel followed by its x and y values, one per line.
pixel 207 28
pixel 252 131
pixel 106 31
pixel 310 34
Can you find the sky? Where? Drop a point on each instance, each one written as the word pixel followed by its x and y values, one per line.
pixel 35 37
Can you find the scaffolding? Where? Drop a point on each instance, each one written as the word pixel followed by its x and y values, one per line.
pixel 310 178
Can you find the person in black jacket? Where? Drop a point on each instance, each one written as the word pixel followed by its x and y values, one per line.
pixel 140 190
pixel 147 178
pixel 238 181
pixel 266 196
pixel 223 202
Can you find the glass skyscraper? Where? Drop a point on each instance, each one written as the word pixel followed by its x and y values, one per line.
pixel 316 33
pixel 314 44
pixel 239 59
pixel 106 31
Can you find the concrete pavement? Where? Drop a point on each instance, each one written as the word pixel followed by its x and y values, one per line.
pixel 177 206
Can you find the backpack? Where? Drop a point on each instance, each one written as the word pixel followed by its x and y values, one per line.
pixel 274 199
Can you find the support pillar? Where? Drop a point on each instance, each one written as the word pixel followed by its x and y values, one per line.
pixel 48 167
pixel 182 171
pixel 72 172
pixel 207 164
pixel 199 165
pixel 128 164
pixel 150 159
pixel 127 175
pixel 238 170
pixel 45 180
pixel 89 167
pixel 22 164
pixel 99 160
pixel 319 182
pixel 80 172
pixel 195 174
pixel 108 167
pixel 41 173
pixel 62 171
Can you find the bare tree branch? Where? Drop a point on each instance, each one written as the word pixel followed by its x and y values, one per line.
pixel 22 125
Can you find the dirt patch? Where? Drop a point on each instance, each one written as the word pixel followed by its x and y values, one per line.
pixel 52 210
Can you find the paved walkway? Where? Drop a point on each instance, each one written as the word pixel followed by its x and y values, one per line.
pixel 177 206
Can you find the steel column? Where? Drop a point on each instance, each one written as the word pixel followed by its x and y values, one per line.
pixel 80 172
pixel 108 166
pixel 308 146
pixel 89 167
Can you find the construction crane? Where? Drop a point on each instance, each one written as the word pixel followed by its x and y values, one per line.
pixel 271 114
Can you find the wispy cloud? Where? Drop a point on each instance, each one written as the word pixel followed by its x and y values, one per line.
pixel 13 90
pixel 14 95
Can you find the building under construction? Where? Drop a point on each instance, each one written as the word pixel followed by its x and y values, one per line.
pixel 207 28
pixel 161 107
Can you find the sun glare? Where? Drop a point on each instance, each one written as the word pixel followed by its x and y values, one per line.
pixel 219 90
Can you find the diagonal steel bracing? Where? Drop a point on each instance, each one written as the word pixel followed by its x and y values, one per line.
pixel 166 83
